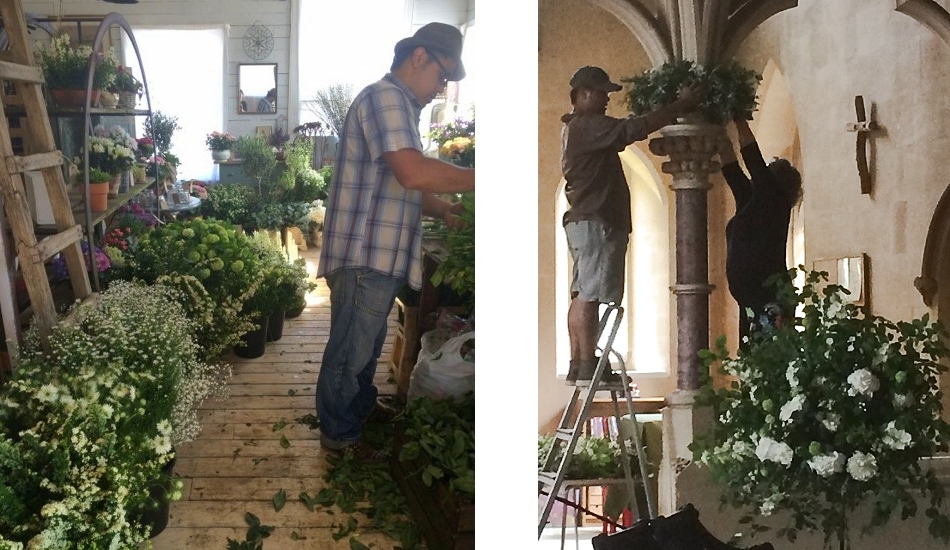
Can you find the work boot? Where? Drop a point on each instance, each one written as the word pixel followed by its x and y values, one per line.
pixel 585 371
pixel 571 378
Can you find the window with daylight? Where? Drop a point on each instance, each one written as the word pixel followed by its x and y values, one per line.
pixel 189 91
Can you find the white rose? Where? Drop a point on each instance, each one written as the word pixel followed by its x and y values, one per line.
pixel 790 373
pixel 794 405
pixel 826 465
pixel 901 400
pixel 831 422
pixel 861 466
pixel 774 451
pixel 895 438
pixel 862 382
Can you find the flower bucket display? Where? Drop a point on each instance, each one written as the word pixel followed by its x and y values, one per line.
pixel 73 98
pixel 275 326
pixel 157 511
pixel 114 184
pixel 253 343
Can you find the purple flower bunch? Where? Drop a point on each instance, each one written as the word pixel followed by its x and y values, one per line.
pixel 58 265
pixel 459 127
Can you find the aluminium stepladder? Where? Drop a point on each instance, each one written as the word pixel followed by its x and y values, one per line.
pixel 40 155
pixel 570 427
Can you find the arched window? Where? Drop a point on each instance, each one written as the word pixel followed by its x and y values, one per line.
pixel 644 337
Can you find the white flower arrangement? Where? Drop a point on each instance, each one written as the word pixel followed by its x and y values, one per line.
pixel 840 406
pixel 88 423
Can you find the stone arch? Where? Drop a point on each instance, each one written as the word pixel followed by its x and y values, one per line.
pixel 745 19
pixel 934 279
pixel 929 14
pixel 642 26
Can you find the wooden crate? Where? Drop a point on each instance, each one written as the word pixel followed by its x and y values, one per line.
pixel 443 521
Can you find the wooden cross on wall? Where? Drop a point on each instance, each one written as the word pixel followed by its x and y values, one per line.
pixel 864 126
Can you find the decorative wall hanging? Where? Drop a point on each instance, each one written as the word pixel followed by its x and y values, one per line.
pixel 258 41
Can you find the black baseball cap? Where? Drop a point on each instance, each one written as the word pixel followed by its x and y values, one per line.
pixel 594 78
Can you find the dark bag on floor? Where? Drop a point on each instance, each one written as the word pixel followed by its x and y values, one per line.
pixel 680 531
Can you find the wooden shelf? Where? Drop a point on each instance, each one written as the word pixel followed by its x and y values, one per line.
pixel 79 206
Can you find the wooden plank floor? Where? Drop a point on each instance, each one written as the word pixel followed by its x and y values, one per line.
pixel 237 463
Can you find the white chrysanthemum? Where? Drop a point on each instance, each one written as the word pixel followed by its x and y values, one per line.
pixel 743 448
pixel 895 438
pixel 788 409
pixel 861 466
pixel 863 382
pixel 828 464
pixel 47 393
pixel 162 444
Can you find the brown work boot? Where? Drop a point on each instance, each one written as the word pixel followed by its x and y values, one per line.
pixel 571 378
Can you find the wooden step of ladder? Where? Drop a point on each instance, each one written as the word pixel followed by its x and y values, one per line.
pixel 39 154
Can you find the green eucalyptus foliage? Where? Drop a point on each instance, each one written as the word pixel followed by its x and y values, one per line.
pixel 457 270
pixel 730 89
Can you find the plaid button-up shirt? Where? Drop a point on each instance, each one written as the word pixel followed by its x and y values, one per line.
pixel 371 220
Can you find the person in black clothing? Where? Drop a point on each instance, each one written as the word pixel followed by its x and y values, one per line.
pixel 756 236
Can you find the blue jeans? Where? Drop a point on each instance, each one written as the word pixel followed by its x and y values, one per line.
pixel 360 302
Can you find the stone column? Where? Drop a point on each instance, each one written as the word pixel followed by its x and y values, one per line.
pixel 690 148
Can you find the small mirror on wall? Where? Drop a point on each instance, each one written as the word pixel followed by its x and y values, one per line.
pixel 257 88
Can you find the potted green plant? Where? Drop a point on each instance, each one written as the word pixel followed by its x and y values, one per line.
pixel 127 87
pixel 220 144
pixel 730 89
pixel 258 161
pixel 65 68
pixel 72 420
pixel 229 202
pixel 213 264
pixel 160 127
pixel 281 281
pixel 832 411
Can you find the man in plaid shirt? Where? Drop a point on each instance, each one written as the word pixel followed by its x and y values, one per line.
pixel 372 237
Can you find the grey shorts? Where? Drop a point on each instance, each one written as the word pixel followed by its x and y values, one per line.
pixel 599 254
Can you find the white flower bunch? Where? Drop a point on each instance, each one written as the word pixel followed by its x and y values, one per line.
pixel 839 406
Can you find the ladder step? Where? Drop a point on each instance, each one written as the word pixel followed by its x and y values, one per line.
pixel 38 161
pixel 21 73
pixel 564 434
pixel 50 246
pixel 547 478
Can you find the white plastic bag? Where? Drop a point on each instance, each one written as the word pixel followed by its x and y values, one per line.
pixel 441 372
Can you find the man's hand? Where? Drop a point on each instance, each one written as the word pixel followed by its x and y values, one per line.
pixel 451 216
pixel 689 97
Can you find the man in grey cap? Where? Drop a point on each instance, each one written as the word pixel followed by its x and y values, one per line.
pixel 372 238
pixel 598 222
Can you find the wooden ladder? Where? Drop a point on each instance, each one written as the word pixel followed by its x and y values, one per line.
pixel 40 154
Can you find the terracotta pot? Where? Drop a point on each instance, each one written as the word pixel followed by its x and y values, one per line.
pixel 73 98
pixel 98 196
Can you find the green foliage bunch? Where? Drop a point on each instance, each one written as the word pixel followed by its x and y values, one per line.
pixel 278 215
pixel 160 127
pixel 66 67
pixel 442 431
pixel 593 458
pixel 730 89
pixel 457 270
pixel 229 202
pixel 829 412
pixel 88 423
